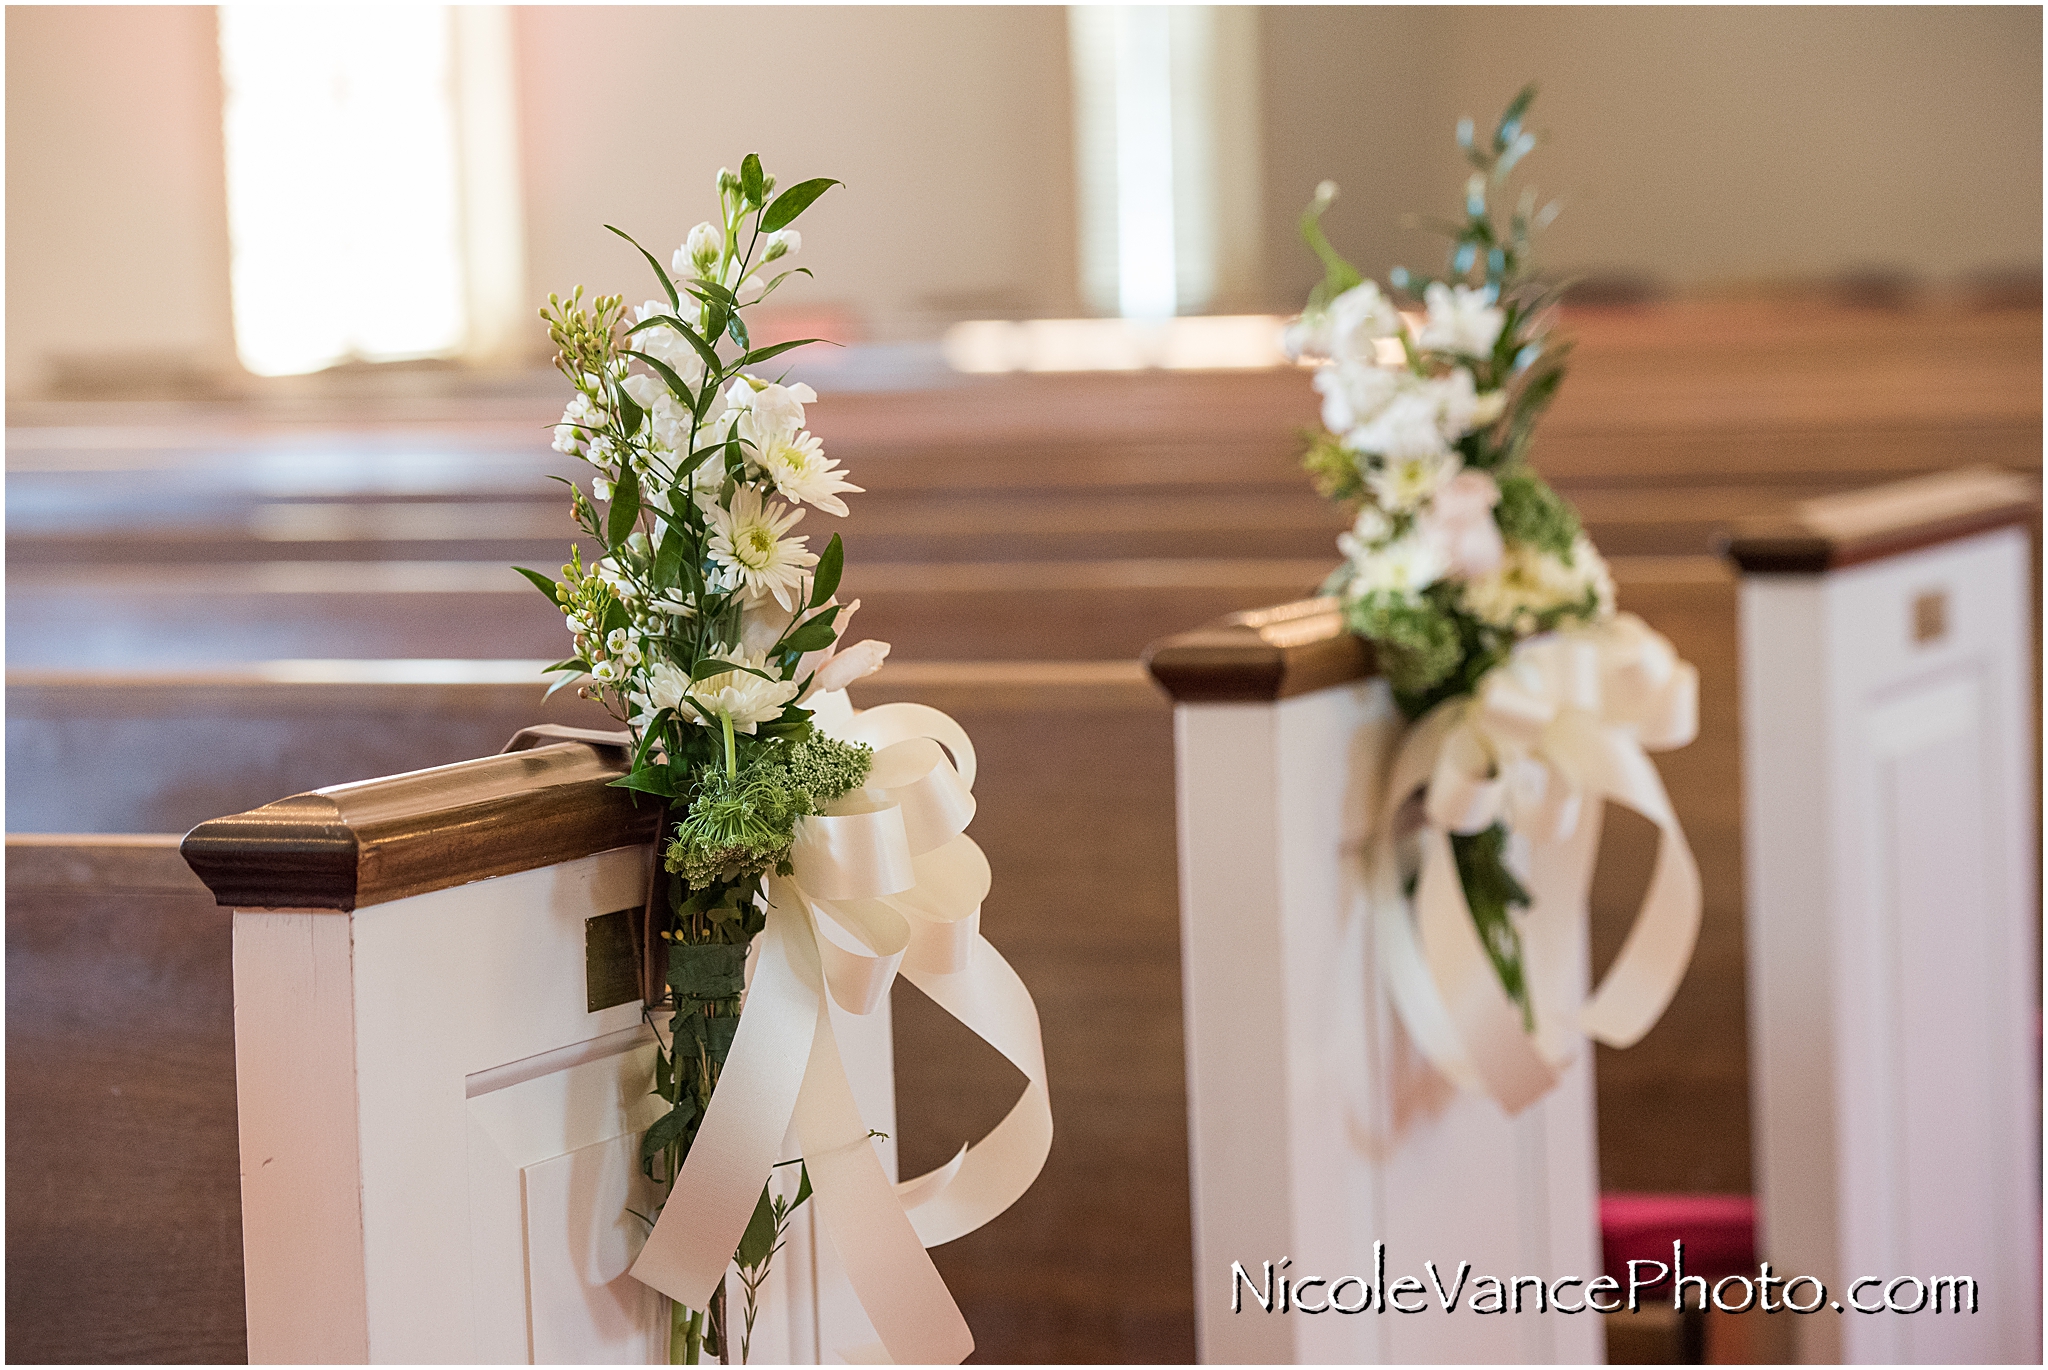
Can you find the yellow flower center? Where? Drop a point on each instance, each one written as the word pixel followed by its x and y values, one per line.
pixel 754 547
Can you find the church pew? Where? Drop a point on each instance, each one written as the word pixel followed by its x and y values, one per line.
pixel 1039 1284
pixel 124 1232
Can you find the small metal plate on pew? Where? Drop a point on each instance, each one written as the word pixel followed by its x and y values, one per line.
pixel 1930 616
pixel 611 960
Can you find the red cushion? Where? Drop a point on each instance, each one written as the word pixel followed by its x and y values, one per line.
pixel 1719 1232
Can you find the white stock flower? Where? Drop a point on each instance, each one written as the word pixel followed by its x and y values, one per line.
pixel 1408 426
pixel 1406 566
pixel 1359 318
pixel 699 254
pixel 1456 401
pixel 1462 319
pixel 748 543
pixel 802 473
pixel 1367 531
pixel 766 408
pixel 1353 393
pixel 666 343
pixel 783 242
pixel 739 695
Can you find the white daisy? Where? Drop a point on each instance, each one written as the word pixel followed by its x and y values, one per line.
pixel 747 542
pixel 1409 482
pixel 802 473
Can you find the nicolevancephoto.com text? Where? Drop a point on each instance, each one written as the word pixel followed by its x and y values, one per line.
pixel 1273 1290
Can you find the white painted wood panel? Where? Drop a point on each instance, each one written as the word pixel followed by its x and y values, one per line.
pixel 1890 836
pixel 440 1143
pixel 1315 1129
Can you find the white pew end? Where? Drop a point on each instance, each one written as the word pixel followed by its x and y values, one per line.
pixel 442 1071
pixel 1890 838
pixel 1315 1129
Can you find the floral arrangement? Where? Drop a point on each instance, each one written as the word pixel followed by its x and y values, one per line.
pixel 1469 575
pixel 711 630
pixel 706 626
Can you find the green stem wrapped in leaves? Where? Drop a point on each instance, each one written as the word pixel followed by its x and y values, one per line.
pixel 705 624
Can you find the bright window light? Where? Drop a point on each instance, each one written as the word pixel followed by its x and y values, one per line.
pixel 343 188
pixel 1146 279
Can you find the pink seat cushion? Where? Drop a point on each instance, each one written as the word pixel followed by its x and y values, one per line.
pixel 1719 1232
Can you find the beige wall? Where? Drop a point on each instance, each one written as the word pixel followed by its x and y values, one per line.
pixel 116 206
pixel 1696 147
pixel 949 126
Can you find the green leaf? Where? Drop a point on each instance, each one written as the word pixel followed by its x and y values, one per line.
pixel 647 780
pixel 751 183
pixel 710 667
pixel 669 1127
pixel 668 286
pixel 1490 890
pixel 574 663
pixel 736 329
pixel 793 202
pixel 668 559
pixel 814 636
pixel 830 563
pixel 708 971
pixel 757 1243
pixel 763 354
pixel 616 617
pixel 631 412
pixel 564 682
pixel 668 376
pixel 542 583
pixel 625 510
pixel 704 349
pixel 713 291
pixel 803 1186
pixel 794 271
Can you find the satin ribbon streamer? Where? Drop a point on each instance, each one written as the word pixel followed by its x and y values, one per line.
pixel 1560 726
pixel 885 883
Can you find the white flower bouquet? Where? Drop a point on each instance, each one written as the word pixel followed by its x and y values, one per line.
pixel 707 626
pixel 712 630
pixel 1478 591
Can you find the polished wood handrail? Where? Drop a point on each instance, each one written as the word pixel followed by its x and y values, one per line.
pixel 374 841
pixel 1834 531
pixel 1261 654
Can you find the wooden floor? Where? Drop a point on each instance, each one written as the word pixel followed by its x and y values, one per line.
pixel 205 603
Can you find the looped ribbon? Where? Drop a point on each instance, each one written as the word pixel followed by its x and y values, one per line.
pixel 886 882
pixel 1563 724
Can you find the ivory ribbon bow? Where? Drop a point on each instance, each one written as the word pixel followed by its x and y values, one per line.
pixel 1558 727
pixel 886 882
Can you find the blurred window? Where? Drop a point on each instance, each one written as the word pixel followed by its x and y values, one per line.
pixel 347 184
pixel 1166 136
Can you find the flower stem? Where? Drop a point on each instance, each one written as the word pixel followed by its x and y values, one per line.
pixel 726 719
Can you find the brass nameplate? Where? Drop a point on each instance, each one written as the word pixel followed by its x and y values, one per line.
pixel 611 960
pixel 1930 616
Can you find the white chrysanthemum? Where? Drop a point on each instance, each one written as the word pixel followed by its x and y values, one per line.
pixel 741 696
pixel 803 473
pixel 747 542
pixel 1462 319
pixel 1457 402
pixel 1402 484
pixel 1530 583
pixel 1406 566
